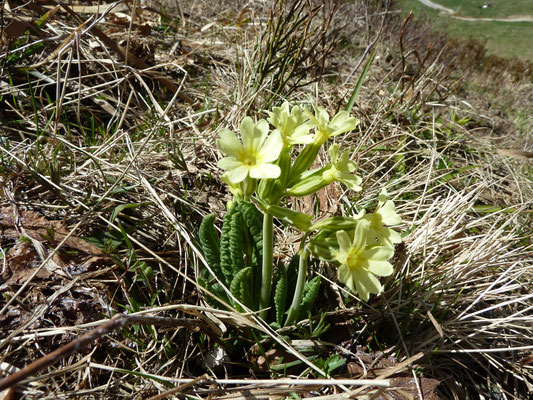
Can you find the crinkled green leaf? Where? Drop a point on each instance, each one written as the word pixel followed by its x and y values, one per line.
pixel 216 289
pixel 310 293
pixel 210 243
pixel 254 221
pixel 280 294
pixel 241 287
pixel 237 241
pixel 226 262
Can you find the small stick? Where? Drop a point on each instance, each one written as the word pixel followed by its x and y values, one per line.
pixel 117 322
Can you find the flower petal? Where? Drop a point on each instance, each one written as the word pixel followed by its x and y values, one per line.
pixel 394 237
pixel 344 274
pixel 342 122
pixel 366 283
pixel 265 171
pixel 238 174
pixel 389 215
pixel 351 181
pixel 228 163
pixel 248 135
pixel 383 196
pixel 261 133
pixel 272 147
pixel 334 153
pixel 359 237
pixel 344 241
pixel 301 135
pixel 381 268
pixel 344 164
pixel 228 143
pixel 379 253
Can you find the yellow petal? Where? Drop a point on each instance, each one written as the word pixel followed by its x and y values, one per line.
pixel 379 253
pixel 264 171
pixel 344 241
pixel 380 268
pixel 228 143
pixel 366 283
pixel 238 174
pixel 272 147
pixel 359 237
pixel 345 276
pixel 388 214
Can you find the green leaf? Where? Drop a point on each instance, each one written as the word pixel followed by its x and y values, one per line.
pixel 309 296
pixel 359 83
pixel 330 364
pixel 280 294
pixel 241 288
pixel 254 221
pixel 225 239
pixel 123 207
pixel 217 290
pixel 237 241
pixel 210 243
pixel 456 172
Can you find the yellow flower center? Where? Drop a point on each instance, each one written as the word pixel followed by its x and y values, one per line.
pixel 353 259
pixel 331 175
pixel 249 159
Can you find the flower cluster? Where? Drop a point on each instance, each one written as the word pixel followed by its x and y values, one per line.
pixel 362 246
pixel 265 166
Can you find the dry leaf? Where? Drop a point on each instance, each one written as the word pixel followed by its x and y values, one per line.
pixel 38 228
pixel 14 30
pixel 22 260
pixel 406 388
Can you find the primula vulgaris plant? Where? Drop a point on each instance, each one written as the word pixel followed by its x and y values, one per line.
pixel 263 169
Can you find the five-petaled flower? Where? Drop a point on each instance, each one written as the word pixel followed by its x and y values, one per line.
pixel 385 215
pixel 359 265
pixel 292 123
pixel 340 123
pixel 254 156
pixel 341 169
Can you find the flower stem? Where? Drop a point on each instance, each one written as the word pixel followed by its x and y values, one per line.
pixel 266 276
pixel 300 283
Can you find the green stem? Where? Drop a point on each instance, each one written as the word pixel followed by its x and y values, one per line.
pixel 300 284
pixel 266 276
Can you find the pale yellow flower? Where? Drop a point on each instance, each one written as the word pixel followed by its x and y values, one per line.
pixel 359 265
pixel 340 123
pixel 341 169
pixel 254 156
pixel 384 216
pixel 292 123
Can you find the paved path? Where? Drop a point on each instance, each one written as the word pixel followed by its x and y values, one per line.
pixel 453 14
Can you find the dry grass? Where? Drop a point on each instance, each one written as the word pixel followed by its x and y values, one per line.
pixel 110 134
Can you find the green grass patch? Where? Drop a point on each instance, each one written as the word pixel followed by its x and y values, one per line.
pixel 495 9
pixel 504 39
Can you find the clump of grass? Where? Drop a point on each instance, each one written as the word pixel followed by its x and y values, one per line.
pixel 293 47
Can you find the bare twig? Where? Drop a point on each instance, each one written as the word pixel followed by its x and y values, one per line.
pixel 119 321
